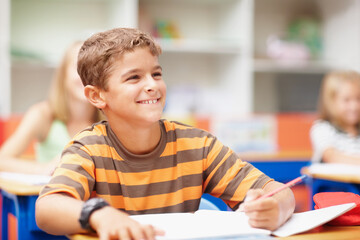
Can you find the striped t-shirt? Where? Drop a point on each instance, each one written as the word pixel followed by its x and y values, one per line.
pixel 186 163
pixel 325 135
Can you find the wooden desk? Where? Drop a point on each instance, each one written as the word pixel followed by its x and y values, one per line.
pixel 20 189
pixel 320 233
pixel 332 181
pixel 328 233
pixel 347 178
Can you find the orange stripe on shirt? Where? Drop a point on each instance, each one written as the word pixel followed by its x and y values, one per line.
pixel 183 144
pixel 155 201
pixel 216 168
pixel 77 177
pixel 223 183
pixel 101 150
pixel 99 130
pixel 173 126
pixel 154 176
pixel 64 189
pixel 85 163
pixel 245 185
pixel 213 153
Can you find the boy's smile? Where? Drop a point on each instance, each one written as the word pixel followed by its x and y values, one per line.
pixel 135 91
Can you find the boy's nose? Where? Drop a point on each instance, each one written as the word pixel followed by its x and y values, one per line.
pixel 150 84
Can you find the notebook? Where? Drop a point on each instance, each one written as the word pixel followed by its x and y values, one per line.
pixel 205 224
pixel 29 179
pixel 334 168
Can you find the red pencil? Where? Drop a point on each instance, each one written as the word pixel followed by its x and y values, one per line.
pixel 287 185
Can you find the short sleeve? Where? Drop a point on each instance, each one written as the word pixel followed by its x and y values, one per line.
pixel 322 137
pixel 75 174
pixel 229 178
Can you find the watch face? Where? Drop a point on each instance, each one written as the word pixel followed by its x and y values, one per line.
pixel 88 208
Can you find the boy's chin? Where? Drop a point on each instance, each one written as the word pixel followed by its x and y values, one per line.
pixel 152 118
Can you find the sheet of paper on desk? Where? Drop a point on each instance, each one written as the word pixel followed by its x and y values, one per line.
pixel 301 222
pixel 30 179
pixel 205 224
pixel 334 168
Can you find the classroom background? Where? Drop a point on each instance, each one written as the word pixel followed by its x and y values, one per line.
pixel 247 70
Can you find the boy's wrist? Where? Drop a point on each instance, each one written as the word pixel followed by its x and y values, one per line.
pixel 90 207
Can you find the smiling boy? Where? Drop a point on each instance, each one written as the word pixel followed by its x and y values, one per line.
pixel 137 163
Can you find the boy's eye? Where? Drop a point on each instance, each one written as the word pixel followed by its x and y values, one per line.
pixel 157 74
pixel 134 77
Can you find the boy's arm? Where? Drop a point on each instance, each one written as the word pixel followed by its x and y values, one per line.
pixel 59 214
pixel 269 213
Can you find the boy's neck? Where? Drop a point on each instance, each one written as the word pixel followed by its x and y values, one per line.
pixel 137 139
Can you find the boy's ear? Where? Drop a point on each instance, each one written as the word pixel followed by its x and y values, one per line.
pixel 95 96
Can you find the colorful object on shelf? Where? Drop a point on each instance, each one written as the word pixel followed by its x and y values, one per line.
pixel 283 50
pixel 301 42
pixel 166 29
pixel 306 30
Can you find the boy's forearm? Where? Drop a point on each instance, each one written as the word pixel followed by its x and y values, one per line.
pixel 286 200
pixel 58 214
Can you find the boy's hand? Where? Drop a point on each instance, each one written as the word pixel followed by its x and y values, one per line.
pixel 262 213
pixel 111 223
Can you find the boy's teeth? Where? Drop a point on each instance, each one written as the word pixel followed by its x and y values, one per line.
pixel 149 102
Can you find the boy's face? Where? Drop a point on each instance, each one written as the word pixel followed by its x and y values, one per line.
pixel 135 91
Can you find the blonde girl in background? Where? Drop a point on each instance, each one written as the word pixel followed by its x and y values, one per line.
pixel 336 135
pixel 51 123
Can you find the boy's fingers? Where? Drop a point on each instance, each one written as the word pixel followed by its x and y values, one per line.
pixel 104 236
pixel 253 194
pixel 149 232
pixel 259 215
pixel 159 232
pixel 136 232
pixel 124 234
pixel 240 208
pixel 261 205
pixel 259 223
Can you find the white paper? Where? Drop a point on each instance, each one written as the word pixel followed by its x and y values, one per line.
pixel 301 222
pixel 202 224
pixel 30 179
pixel 205 224
pixel 334 168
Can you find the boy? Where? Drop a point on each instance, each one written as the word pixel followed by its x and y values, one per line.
pixel 135 163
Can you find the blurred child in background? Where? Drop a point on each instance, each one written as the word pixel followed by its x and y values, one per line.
pixel 51 123
pixel 336 135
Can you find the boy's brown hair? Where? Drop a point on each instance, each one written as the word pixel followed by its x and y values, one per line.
pixel 101 50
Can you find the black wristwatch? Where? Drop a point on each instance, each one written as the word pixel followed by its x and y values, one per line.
pixel 88 208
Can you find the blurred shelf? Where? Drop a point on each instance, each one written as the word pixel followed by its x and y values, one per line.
pixel 199 46
pixel 290 66
pixel 18 63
